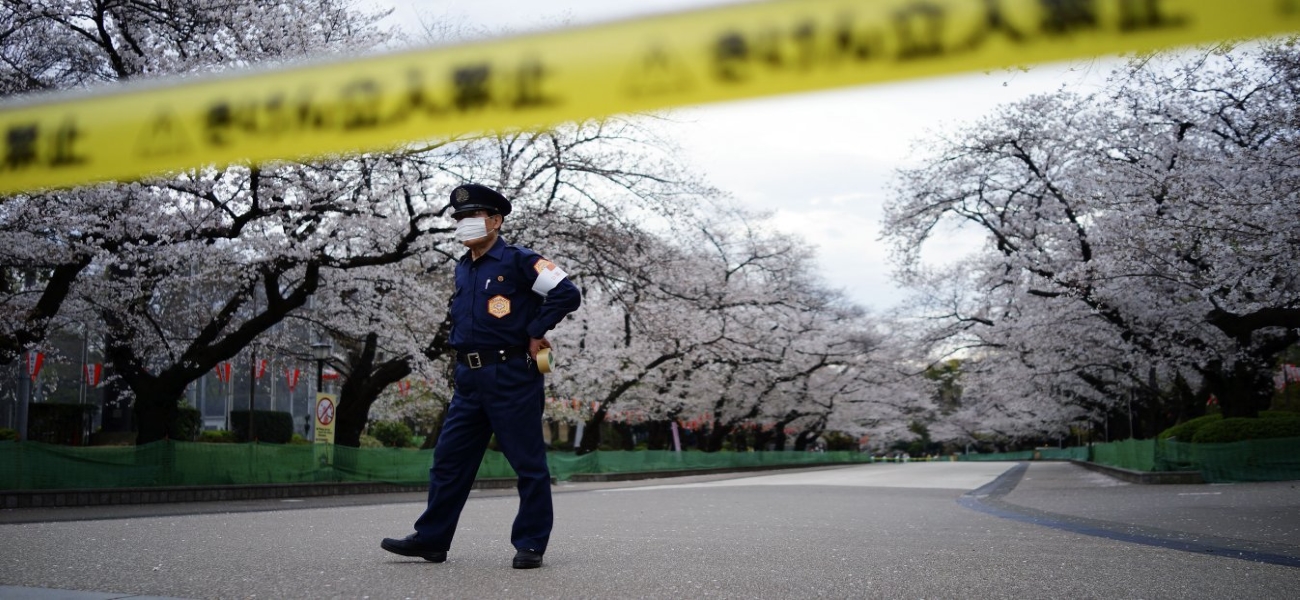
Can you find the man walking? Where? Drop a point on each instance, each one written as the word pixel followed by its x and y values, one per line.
pixel 507 298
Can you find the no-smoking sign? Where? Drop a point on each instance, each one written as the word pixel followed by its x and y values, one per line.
pixel 324 433
pixel 325 411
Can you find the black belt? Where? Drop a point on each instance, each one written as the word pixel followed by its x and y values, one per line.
pixel 477 358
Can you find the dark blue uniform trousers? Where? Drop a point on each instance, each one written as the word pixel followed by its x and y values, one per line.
pixel 505 398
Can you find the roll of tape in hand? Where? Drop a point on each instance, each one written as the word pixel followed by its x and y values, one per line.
pixel 545 360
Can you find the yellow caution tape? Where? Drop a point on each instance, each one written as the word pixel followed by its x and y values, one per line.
pixel 727 53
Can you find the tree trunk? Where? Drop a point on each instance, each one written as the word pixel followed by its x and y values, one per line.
pixel 740 440
pixel 660 435
pixel 157 402
pixel 627 441
pixel 157 397
pixel 717 435
pixel 154 415
pixel 591 431
pixel 362 387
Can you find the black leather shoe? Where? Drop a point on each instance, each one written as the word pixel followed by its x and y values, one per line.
pixel 527 559
pixel 408 546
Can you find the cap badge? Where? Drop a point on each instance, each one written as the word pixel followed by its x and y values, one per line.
pixel 462 195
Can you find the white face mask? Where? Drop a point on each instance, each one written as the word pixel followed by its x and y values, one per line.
pixel 471 228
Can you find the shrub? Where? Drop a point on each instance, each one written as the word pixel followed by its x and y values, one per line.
pixel 217 437
pixel 838 440
pixel 370 442
pixel 187 425
pixel 1270 425
pixel 8 435
pixel 272 427
pixel 393 434
pixel 1188 432
pixel 298 440
pixel 1184 432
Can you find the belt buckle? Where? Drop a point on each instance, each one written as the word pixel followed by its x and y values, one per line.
pixel 475 361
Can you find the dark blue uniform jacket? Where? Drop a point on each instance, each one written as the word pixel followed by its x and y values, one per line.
pixel 495 307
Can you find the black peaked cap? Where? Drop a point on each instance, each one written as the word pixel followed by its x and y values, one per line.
pixel 472 196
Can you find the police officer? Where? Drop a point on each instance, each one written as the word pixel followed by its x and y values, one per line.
pixel 506 299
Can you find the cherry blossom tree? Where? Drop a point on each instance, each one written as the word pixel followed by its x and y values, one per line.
pixel 1145 230
pixel 143 241
pixel 720 334
pixel 695 309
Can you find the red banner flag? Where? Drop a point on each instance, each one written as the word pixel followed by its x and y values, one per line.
pixel 404 387
pixel 291 376
pixel 261 368
pixel 94 373
pixel 34 362
pixel 223 371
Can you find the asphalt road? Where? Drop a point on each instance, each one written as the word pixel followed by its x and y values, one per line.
pixel 920 530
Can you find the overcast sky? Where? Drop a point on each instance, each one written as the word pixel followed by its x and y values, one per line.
pixel 821 161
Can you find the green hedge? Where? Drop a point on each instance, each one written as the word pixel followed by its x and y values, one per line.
pixel 1184 432
pixel 272 427
pixel 218 437
pixel 1276 425
pixel 1265 427
pixel 393 434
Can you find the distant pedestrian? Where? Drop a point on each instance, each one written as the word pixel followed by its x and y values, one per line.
pixel 507 298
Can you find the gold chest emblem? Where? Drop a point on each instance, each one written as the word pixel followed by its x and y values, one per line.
pixel 498 306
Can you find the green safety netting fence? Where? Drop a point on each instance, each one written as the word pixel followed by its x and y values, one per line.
pixel 1075 453
pixel 37 466
pixel 1254 460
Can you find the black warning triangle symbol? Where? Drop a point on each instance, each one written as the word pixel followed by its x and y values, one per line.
pixel 163 136
pixel 658 72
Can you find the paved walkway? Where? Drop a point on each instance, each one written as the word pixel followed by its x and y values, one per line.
pixel 1259 522
pixel 639 541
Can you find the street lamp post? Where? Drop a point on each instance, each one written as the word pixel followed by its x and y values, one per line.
pixel 252 391
pixel 321 351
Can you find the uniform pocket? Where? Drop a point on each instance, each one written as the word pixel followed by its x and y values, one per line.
pixel 501 288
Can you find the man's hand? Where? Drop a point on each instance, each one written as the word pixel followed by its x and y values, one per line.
pixel 535 345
